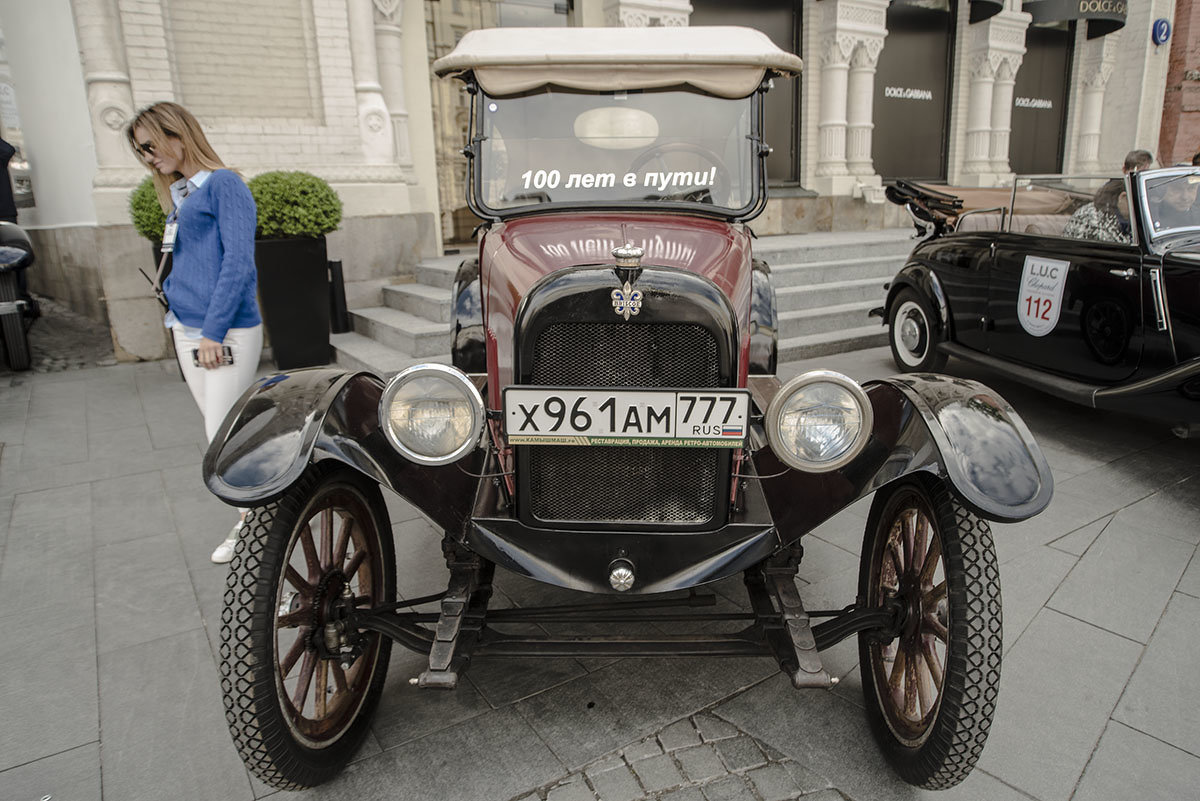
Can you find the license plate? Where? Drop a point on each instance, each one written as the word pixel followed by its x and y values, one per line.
pixel 654 418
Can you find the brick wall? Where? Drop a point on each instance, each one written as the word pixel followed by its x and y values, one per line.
pixel 1180 137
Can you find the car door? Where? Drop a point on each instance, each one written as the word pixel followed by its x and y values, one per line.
pixel 1072 307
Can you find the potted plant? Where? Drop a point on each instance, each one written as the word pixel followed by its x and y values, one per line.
pixel 295 211
pixel 149 220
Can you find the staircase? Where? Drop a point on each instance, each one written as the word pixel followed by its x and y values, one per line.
pixel 824 286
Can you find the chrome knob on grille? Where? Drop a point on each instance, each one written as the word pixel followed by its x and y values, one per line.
pixel 628 255
pixel 620 575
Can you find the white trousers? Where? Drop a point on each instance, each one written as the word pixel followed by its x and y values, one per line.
pixel 218 389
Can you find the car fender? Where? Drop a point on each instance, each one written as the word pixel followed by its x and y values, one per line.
pixel 764 321
pixel 287 422
pixel 953 428
pixel 920 277
pixel 467 347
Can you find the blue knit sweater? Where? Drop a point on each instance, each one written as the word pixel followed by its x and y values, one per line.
pixel 213 280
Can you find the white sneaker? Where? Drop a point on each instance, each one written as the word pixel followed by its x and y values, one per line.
pixel 224 552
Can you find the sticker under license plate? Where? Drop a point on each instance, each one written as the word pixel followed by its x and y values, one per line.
pixel 657 418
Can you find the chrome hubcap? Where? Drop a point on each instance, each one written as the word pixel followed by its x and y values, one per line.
pixel 910 334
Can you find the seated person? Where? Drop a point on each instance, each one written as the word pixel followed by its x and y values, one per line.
pixel 1105 219
pixel 1172 203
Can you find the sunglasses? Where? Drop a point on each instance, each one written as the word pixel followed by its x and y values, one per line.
pixel 145 149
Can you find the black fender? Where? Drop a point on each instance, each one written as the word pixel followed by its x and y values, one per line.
pixel 921 278
pixel 764 320
pixel 955 429
pixel 468 344
pixel 286 422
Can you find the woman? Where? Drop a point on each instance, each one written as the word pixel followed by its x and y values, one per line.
pixel 1105 219
pixel 212 307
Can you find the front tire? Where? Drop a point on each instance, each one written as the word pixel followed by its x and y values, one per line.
pixel 12 326
pixel 931 691
pixel 912 335
pixel 297 718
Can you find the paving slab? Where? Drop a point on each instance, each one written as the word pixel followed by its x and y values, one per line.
pixel 1078 541
pixel 164 723
pixel 407 713
pixel 1123 582
pixel 1155 700
pixel 1129 764
pixel 1190 582
pixel 130 508
pixel 1058 686
pixel 72 775
pixel 1171 512
pixel 1026 583
pixel 49 700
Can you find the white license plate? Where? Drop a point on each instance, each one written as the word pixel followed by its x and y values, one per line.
pixel 693 418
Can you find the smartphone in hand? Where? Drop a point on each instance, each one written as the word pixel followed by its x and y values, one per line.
pixel 226 355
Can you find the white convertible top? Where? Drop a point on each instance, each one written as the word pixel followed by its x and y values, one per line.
pixel 721 60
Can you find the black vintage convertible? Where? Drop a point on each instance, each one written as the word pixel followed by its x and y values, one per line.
pixel 1096 304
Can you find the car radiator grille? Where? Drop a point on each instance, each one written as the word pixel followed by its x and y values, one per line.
pixel 645 485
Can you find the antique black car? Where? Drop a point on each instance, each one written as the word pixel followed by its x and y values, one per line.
pixel 1086 288
pixel 611 423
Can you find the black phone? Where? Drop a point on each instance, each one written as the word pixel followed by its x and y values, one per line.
pixel 226 355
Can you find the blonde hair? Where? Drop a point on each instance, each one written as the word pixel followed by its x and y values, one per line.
pixel 163 121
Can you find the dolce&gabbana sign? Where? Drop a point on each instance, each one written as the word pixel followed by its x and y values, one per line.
pixel 1100 11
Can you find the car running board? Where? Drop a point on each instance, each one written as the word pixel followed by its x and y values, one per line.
pixel 1074 391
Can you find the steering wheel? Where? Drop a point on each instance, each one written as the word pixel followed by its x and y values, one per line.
pixel 722 183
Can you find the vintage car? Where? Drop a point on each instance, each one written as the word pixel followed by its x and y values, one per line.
pixel 1086 288
pixel 611 424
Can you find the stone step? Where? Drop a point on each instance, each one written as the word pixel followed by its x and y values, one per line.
pixel 815 296
pixel 357 352
pixel 828 342
pixel 825 319
pixel 421 300
pixel 402 331
pixel 883 268
pixel 439 272
pixel 804 248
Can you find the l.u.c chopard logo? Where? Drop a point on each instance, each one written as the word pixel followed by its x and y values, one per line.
pixel 627 301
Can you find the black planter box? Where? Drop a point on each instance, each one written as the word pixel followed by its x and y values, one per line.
pixel 293 294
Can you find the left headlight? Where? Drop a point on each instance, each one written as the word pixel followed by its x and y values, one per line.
pixel 819 421
pixel 432 413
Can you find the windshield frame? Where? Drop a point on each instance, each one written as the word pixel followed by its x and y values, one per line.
pixel 1153 237
pixel 758 183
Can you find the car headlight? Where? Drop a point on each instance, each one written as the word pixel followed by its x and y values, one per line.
pixel 819 421
pixel 432 413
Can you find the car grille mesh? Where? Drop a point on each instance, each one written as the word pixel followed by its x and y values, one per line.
pixel 651 485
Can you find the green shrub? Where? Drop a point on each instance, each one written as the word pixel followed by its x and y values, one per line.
pixel 148 217
pixel 294 204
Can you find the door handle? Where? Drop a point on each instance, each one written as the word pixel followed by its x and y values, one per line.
pixel 1127 273
pixel 1160 298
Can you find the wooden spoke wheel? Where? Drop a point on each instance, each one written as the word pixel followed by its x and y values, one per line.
pixel 299 691
pixel 930 691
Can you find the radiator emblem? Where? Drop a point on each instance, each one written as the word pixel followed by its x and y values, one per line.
pixel 627 301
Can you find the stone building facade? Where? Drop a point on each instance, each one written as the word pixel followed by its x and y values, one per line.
pixel 339 88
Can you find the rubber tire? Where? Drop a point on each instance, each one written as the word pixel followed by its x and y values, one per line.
pixel 933 359
pixel 971 678
pixel 12 327
pixel 252 706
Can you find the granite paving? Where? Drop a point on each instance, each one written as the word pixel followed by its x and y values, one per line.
pixel 111 613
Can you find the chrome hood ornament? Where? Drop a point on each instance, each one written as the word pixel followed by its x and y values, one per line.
pixel 627 301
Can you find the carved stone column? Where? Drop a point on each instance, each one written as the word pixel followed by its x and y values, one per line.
pixel 1096 66
pixel 110 99
pixel 390 49
pixel 979 116
pixel 995 50
pixel 647 13
pixel 852 34
pixel 1002 106
pixel 374 121
pixel 860 109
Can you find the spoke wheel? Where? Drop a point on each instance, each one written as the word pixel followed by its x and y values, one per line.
pixel 297 713
pixel 911 334
pixel 930 691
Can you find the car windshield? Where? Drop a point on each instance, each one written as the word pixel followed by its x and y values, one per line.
pixel 556 146
pixel 1169 201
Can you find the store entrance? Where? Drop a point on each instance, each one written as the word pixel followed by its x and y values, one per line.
pixel 912 91
pixel 1040 100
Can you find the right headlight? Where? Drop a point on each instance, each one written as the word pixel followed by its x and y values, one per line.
pixel 432 413
pixel 819 421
